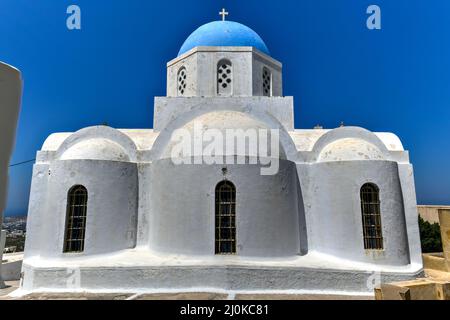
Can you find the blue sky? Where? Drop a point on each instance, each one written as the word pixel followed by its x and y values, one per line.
pixel 396 79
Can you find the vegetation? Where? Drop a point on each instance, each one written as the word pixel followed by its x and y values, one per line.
pixel 430 236
pixel 18 242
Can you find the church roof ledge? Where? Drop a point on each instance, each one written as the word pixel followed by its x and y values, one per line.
pixel 143 139
pixel 305 139
pixel 224 49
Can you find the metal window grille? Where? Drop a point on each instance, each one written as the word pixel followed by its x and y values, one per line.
pixel 371 217
pixel 267 82
pixel 182 75
pixel 225 218
pixel 76 219
pixel 224 78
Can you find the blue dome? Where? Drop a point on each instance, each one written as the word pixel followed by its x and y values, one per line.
pixel 224 33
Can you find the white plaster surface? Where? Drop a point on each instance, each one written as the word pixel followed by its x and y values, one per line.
pixel 221 121
pixel 350 149
pixel 142 270
pixel 150 223
pixel 112 199
pixel 169 109
pixel 96 149
pixel 267 211
pixel 247 64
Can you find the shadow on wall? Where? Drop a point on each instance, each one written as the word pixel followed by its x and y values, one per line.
pixel 10 94
pixel 303 232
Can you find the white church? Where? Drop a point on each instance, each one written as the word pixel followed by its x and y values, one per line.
pixel 115 209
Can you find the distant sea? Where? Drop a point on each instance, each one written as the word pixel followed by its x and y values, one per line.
pixel 15 214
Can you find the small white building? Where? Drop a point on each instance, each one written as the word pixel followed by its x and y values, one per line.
pixel 123 209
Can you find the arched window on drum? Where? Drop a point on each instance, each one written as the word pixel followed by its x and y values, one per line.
pixel 371 217
pixel 76 213
pixel 225 218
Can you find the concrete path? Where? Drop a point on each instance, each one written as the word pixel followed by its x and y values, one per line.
pixel 13 285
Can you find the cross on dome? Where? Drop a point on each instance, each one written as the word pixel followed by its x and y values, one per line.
pixel 223 13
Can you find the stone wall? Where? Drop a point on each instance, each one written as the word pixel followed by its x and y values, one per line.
pixel 444 219
pixel 430 213
pixel 12 265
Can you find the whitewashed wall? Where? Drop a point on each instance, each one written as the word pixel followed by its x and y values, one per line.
pixel 333 210
pixel 201 66
pixel 111 208
pixel 181 216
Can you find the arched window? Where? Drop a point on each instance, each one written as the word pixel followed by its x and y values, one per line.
pixel 224 78
pixel 267 82
pixel 181 81
pixel 371 217
pixel 75 219
pixel 225 218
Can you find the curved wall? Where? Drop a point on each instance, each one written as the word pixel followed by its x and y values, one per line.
pixel 181 218
pixel 111 208
pixel 334 211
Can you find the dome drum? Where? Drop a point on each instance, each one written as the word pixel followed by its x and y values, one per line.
pixel 198 69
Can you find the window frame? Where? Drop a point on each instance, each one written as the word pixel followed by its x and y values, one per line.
pixel 371 217
pixel 183 82
pixel 220 78
pixel 70 214
pixel 269 72
pixel 218 215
